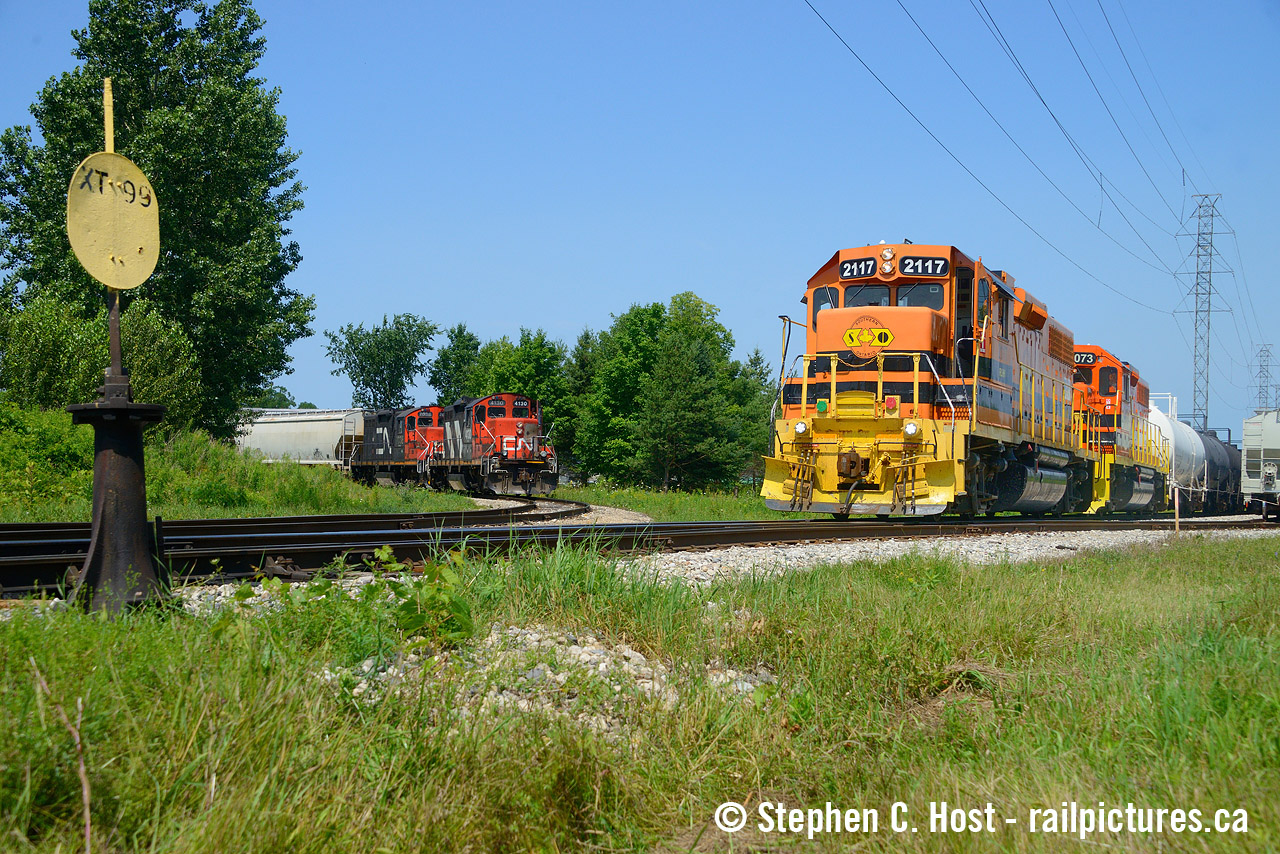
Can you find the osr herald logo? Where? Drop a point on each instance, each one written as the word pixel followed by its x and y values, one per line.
pixel 867 336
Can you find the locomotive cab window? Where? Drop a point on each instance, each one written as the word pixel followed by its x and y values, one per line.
pixel 964 319
pixel 859 295
pixel 497 409
pixel 1107 380
pixel 479 415
pixel 923 294
pixel 412 424
pixel 520 410
pixel 824 298
pixel 1083 375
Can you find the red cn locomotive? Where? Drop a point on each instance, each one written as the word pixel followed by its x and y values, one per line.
pixel 489 444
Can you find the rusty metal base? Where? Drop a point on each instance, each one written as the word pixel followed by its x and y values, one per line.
pixel 118 571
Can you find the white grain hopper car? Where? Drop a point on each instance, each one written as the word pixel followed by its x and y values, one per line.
pixel 309 436
pixel 1261 446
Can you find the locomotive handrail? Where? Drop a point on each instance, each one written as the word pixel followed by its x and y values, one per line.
pixel 1044 425
pixel 938 379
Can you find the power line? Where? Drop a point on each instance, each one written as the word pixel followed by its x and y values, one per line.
pixel 1061 192
pixel 988 20
pixel 1253 311
pixel 1119 91
pixel 1160 89
pixel 1159 126
pixel 1106 107
pixel 970 172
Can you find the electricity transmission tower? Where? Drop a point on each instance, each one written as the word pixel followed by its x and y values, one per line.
pixel 1205 211
pixel 1264 377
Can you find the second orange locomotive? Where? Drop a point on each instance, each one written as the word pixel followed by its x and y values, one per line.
pixel 930 383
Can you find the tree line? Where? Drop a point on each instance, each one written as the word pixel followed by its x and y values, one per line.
pixel 654 400
pixel 210 330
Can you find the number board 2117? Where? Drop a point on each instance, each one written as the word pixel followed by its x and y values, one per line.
pixel 914 266
pixel 857 268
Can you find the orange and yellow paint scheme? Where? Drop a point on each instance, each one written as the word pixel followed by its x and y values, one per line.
pixel 1132 455
pixel 928 383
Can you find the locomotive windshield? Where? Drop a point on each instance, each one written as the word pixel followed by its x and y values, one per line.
pixel 924 294
pixel 498 409
pixel 857 295
pixel 1083 375
pixel 519 410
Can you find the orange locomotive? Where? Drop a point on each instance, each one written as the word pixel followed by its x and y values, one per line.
pixel 1132 461
pixel 931 383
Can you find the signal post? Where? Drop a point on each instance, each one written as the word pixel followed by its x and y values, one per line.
pixel 113 222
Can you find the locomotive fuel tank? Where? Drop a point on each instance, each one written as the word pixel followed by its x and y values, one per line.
pixel 1030 490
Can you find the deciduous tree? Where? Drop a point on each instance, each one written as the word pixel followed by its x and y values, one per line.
pixel 55 358
pixel 381 362
pixel 191 113
pixel 453 365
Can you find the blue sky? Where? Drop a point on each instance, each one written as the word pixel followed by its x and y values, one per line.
pixel 548 165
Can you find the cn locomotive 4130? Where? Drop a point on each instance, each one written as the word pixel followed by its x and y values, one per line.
pixel 930 383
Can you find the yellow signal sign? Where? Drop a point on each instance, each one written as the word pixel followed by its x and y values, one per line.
pixel 113 220
pixel 859 338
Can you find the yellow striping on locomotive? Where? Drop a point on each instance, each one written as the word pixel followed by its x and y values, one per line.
pixel 930 384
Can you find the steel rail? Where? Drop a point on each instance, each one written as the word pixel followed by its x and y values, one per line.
pixel 297 554
pixel 18 539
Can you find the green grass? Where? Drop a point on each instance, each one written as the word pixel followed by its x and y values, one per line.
pixel 682 506
pixel 1149 676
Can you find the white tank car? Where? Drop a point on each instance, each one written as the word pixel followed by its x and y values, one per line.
pixel 308 436
pixel 1187 450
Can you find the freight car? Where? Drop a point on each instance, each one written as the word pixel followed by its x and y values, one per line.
pixel 491 444
pixel 1261 449
pixel 307 436
pixel 931 383
pixel 1204 471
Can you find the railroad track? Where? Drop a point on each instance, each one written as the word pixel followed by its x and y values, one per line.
pixel 36 558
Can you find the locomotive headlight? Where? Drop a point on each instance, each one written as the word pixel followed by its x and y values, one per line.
pixel 911 429
pixel 887 254
pixel 801 427
pixel 886 267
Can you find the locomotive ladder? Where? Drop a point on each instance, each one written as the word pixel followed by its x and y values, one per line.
pixel 907 487
pixel 802 474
